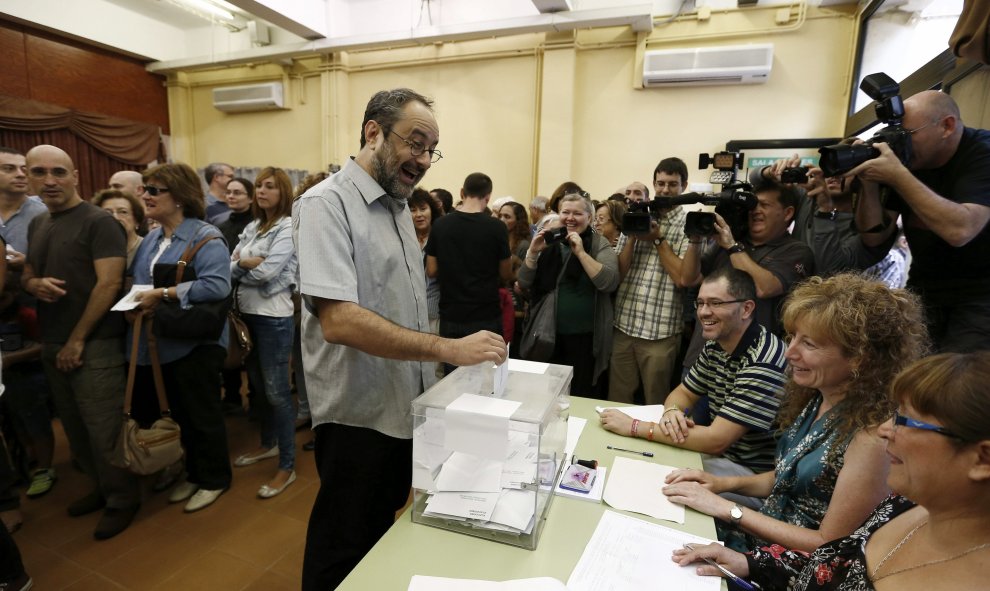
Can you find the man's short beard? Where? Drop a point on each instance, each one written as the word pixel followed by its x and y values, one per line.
pixel 386 173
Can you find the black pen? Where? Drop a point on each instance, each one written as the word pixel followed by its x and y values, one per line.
pixel 648 454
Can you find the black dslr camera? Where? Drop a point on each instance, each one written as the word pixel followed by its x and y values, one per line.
pixel 795 174
pixel 841 158
pixel 555 235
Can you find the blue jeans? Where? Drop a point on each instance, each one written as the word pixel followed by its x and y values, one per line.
pixel 268 370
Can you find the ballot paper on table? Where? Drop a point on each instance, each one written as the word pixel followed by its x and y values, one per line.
pixel 575 425
pixel 424 583
pixel 634 485
pixel 650 413
pixel 128 302
pixel 629 553
pixel 479 425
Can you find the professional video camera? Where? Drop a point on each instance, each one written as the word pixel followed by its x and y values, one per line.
pixel 733 202
pixel 842 158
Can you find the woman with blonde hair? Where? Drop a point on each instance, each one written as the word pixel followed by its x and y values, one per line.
pixel 849 337
pixel 263 267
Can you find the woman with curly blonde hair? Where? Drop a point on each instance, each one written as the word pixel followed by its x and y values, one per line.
pixel 848 338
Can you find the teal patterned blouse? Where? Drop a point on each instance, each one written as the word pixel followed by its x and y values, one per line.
pixel 810 455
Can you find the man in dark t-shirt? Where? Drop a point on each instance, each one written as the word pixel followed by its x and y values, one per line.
pixel 468 251
pixel 75 267
pixel 943 194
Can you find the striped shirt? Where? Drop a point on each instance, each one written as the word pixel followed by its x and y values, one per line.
pixel 745 388
pixel 648 305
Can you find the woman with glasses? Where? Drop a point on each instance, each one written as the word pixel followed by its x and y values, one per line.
pixel 126 209
pixel 584 269
pixel 608 220
pixel 849 337
pixel 191 368
pixel 935 533
pixel 263 267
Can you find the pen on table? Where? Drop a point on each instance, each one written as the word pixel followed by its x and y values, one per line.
pixel 648 454
pixel 735 578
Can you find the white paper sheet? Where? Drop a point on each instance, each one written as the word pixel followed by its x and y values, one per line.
pixel 650 413
pixel 128 302
pixel 423 583
pixel 520 466
pixel 466 473
pixel 634 485
pixel 515 508
pixel 629 553
pixel 575 425
pixel 468 504
pixel 501 377
pixel 479 425
pixel 528 366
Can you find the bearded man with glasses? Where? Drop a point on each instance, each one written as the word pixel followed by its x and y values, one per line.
pixel 943 194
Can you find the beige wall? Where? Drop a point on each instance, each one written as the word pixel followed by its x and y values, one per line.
pixel 535 110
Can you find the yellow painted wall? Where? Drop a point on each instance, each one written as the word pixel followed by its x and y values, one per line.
pixel 534 110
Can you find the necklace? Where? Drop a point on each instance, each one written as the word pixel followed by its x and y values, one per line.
pixel 873 575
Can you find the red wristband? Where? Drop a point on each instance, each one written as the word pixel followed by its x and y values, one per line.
pixel 634 430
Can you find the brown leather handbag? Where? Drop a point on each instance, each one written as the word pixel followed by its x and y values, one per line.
pixel 146 451
pixel 239 343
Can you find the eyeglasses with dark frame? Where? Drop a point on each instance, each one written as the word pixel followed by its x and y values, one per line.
pixel 715 304
pixel 901 420
pixel 416 148
pixel 154 191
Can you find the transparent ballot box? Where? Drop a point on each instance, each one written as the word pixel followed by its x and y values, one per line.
pixel 484 465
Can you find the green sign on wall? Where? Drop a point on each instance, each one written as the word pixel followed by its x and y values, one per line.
pixel 761 161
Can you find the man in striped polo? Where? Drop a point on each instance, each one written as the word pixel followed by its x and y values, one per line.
pixel 740 372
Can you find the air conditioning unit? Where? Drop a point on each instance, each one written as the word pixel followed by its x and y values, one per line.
pixel 734 64
pixel 250 97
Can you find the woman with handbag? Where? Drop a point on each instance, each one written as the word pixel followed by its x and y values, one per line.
pixel 579 271
pixel 264 267
pixel 191 352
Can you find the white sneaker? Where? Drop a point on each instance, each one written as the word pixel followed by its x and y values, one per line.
pixel 202 499
pixel 183 492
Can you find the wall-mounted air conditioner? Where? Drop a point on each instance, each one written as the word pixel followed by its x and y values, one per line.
pixel 250 97
pixel 735 64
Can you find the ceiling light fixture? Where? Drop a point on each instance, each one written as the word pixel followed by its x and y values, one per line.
pixel 210 12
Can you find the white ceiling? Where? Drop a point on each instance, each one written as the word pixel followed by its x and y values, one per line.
pixel 172 38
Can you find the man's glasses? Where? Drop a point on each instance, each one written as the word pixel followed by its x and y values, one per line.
pixel 917 129
pixel 714 304
pixel 38 172
pixel 901 420
pixel 417 148
pixel 154 191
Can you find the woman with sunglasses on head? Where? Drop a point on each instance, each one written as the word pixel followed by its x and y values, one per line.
pixel 191 368
pixel 849 337
pixel 264 266
pixel 935 533
pixel 584 270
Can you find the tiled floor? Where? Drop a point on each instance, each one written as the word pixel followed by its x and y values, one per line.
pixel 241 542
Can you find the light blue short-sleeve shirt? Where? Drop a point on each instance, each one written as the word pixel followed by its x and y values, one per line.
pixel 357 244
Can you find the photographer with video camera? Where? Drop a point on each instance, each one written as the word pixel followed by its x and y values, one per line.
pixel 649 307
pixel 775 259
pixel 939 181
pixel 824 219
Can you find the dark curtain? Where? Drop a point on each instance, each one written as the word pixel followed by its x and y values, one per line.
pixel 94 166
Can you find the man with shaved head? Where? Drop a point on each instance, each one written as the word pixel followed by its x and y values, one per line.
pixel 128 181
pixel 943 194
pixel 75 268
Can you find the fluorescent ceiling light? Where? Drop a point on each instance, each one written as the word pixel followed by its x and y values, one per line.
pixel 199 7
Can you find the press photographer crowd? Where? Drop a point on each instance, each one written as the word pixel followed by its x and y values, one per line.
pixel 817 332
